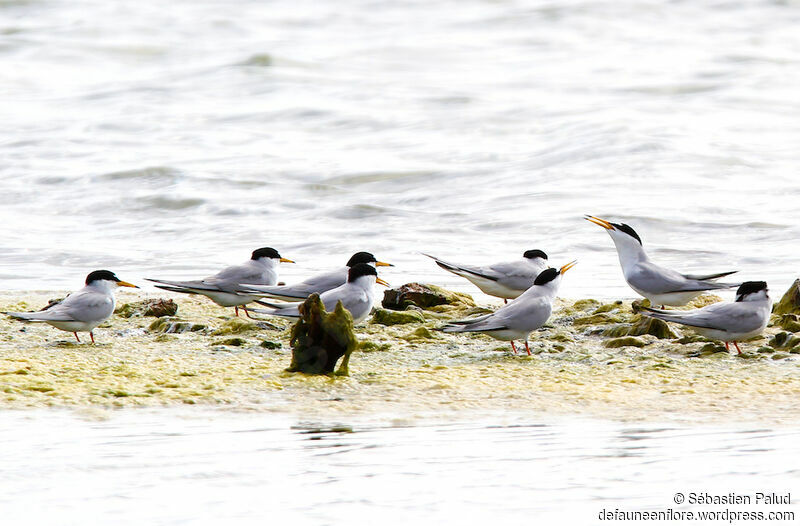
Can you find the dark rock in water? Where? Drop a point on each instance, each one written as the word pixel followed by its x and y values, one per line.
pixel 784 340
pixel 320 338
pixel 393 317
pixel 169 325
pixel 423 296
pixel 155 307
pixel 790 302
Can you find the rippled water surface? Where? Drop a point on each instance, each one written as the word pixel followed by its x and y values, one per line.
pixel 173 138
pixel 205 467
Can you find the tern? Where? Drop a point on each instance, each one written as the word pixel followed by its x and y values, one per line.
pixel 315 284
pixel 222 287
pixel 735 321
pixel 517 319
pixel 82 310
pixel 357 295
pixel 662 286
pixel 505 280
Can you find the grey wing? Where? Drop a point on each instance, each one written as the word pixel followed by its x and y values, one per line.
pixel 315 284
pixel 654 279
pixel 731 317
pixel 463 270
pixel 503 318
pixel 230 278
pixel 517 275
pixel 80 306
pixel 185 286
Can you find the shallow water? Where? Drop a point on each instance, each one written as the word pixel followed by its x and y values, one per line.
pixel 200 467
pixel 171 139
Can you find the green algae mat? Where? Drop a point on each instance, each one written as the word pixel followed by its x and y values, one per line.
pixel 592 358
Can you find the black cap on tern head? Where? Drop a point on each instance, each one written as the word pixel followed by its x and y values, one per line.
pixel 750 287
pixel 361 257
pixel 265 252
pixel 546 276
pixel 530 254
pixel 628 230
pixel 99 275
pixel 361 269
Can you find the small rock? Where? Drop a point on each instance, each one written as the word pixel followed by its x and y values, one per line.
pixel 628 341
pixel 421 334
pixel 158 307
pixel 231 342
pixel 423 296
pixel 174 326
pixel 790 302
pixel 235 326
pixel 266 344
pixel 393 317
pixel 596 319
pixel 787 322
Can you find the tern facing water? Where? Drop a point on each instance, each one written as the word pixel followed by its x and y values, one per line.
pixel 315 284
pixel 662 286
pixel 505 280
pixel 222 287
pixel 357 295
pixel 516 320
pixel 82 310
pixel 735 321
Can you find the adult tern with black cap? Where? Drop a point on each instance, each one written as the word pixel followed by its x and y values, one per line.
pixel 82 310
pixel 505 280
pixel 315 284
pixel 357 295
pixel 735 321
pixel 221 288
pixel 662 286
pixel 516 320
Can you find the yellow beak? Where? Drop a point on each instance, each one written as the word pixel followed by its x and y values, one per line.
pixel 126 284
pixel 568 266
pixel 382 282
pixel 602 222
pixel 286 260
pixel 382 264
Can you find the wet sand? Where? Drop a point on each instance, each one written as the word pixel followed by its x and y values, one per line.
pixel 402 370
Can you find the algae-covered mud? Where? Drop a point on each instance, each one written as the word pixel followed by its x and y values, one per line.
pixel 591 358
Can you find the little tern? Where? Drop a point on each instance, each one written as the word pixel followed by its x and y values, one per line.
pixel 315 284
pixel 662 286
pixel 505 280
pixel 222 287
pixel 82 310
pixel 735 321
pixel 517 319
pixel 357 295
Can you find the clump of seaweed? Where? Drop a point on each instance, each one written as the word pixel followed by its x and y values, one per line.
pixel 320 338
pixel 157 307
pixel 790 302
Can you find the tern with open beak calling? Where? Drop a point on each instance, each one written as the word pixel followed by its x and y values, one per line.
pixel 222 287
pixel 505 280
pixel 662 286
pixel 315 284
pixel 83 310
pixel 517 319
pixel 735 321
pixel 357 295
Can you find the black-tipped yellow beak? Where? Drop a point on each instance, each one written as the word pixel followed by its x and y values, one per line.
pixel 382 264
pixel 126 284
pixel 602 222
pixel 286 260
pixel 382 282
pixel 568 266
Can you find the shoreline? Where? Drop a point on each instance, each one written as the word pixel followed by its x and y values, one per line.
pixel 406 370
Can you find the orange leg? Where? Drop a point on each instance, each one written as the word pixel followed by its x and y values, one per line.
pixel 236 310
pixel 528 349
pixel 505 301
pixel 727 346
pixel 736 344
pixel 76 337
pixel 91 335
pixel 513 347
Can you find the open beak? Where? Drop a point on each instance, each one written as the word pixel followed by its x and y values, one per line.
pixel 382 264
pixel 382 282
pixel 602 222
pixel 286 260
pixel 568 266
pixel 126 284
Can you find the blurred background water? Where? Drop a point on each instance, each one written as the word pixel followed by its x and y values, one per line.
pixel 210 467
pixel 173 138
